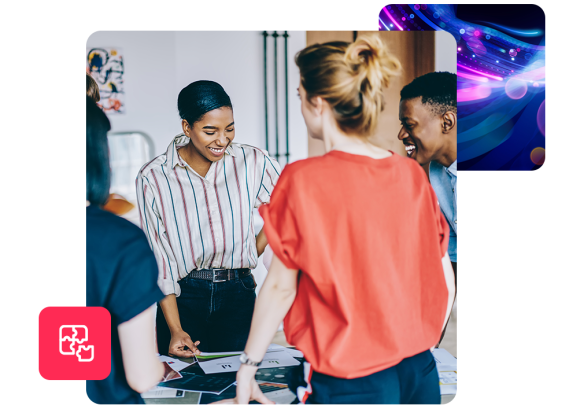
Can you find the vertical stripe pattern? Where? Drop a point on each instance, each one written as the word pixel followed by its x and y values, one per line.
pixel 193 221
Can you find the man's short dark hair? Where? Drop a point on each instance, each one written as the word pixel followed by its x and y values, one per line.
pixel 97 177
pixel 437 89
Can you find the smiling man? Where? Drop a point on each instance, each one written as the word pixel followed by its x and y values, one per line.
pixel 427 111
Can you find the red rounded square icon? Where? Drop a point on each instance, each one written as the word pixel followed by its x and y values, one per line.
pixel 74 343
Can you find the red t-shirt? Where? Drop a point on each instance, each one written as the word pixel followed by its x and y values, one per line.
pixel 368 238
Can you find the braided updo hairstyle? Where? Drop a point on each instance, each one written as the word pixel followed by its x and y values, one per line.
pixel 351 78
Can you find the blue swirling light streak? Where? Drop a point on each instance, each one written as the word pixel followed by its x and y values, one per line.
pixel 536 32
pixel 387 28
pixel 426 19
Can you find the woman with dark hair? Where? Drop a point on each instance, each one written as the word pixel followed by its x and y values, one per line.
pixel 196 202
pixel 360 272
pixel 117 253
pixel 91 88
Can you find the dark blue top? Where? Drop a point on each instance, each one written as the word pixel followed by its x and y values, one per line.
pixel 122 277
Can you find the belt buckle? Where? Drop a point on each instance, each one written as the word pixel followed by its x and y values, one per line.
pixel 215 280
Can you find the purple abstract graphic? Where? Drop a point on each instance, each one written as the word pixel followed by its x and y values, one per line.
pixel 501 78
pixel 541 118
pixel 516 88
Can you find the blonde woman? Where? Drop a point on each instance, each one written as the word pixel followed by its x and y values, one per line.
pixel 360 272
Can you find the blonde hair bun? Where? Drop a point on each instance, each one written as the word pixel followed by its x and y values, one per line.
pixel 372 63
pixel 351 78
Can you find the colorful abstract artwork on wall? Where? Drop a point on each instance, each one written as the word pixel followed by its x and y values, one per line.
pixel 106 66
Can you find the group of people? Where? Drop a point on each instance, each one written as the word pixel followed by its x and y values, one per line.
pixel 362 240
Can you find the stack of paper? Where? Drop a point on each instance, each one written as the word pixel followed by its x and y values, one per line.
pixel 174 363
pixel 295 353
pixel 221 362
pixel 199 383
pixel 447 371
pixel 162 392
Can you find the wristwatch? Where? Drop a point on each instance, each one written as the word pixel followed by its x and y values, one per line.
pixel 244 359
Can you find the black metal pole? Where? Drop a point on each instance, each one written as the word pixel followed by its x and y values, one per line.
pixel 265 34
pixel 275 35
pixel 286 88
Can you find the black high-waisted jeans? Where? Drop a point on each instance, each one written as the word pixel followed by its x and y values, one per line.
pixel 217 314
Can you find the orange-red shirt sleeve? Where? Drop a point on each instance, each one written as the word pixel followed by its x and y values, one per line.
pixel 280 222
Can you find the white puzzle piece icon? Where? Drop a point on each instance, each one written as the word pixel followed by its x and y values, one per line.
pixel 85 348
pixel 69 335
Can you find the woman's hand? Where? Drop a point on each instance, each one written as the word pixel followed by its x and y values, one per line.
pixel 180 339
pixel 247 387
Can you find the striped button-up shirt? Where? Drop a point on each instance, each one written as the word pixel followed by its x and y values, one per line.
pixel 194 222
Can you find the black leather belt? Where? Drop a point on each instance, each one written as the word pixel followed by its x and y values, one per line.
pixel 219 275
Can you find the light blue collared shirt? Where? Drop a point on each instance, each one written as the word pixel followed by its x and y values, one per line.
pixel 443 180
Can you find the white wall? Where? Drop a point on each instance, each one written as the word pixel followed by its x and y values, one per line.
pixel 445 52
pixel 233 60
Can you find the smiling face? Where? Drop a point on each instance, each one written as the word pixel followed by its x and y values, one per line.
pixel 422 130
pixel 212 134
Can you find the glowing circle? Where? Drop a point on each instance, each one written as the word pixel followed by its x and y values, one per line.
pixel 462 31
pixel 488 37
pixel 512 59
pixel 518 50
pixel 497 60
pixel 459 48
pixel 512 52
pixel 541 118
pixel 516 88
pixel 424 7
pixel 391 25
pixel 436 15
pixel 442 24
pixel 417 7
pixel 403 19
pixel 528 56
pixel 411 16
pixel 477 33
pixel 538 156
